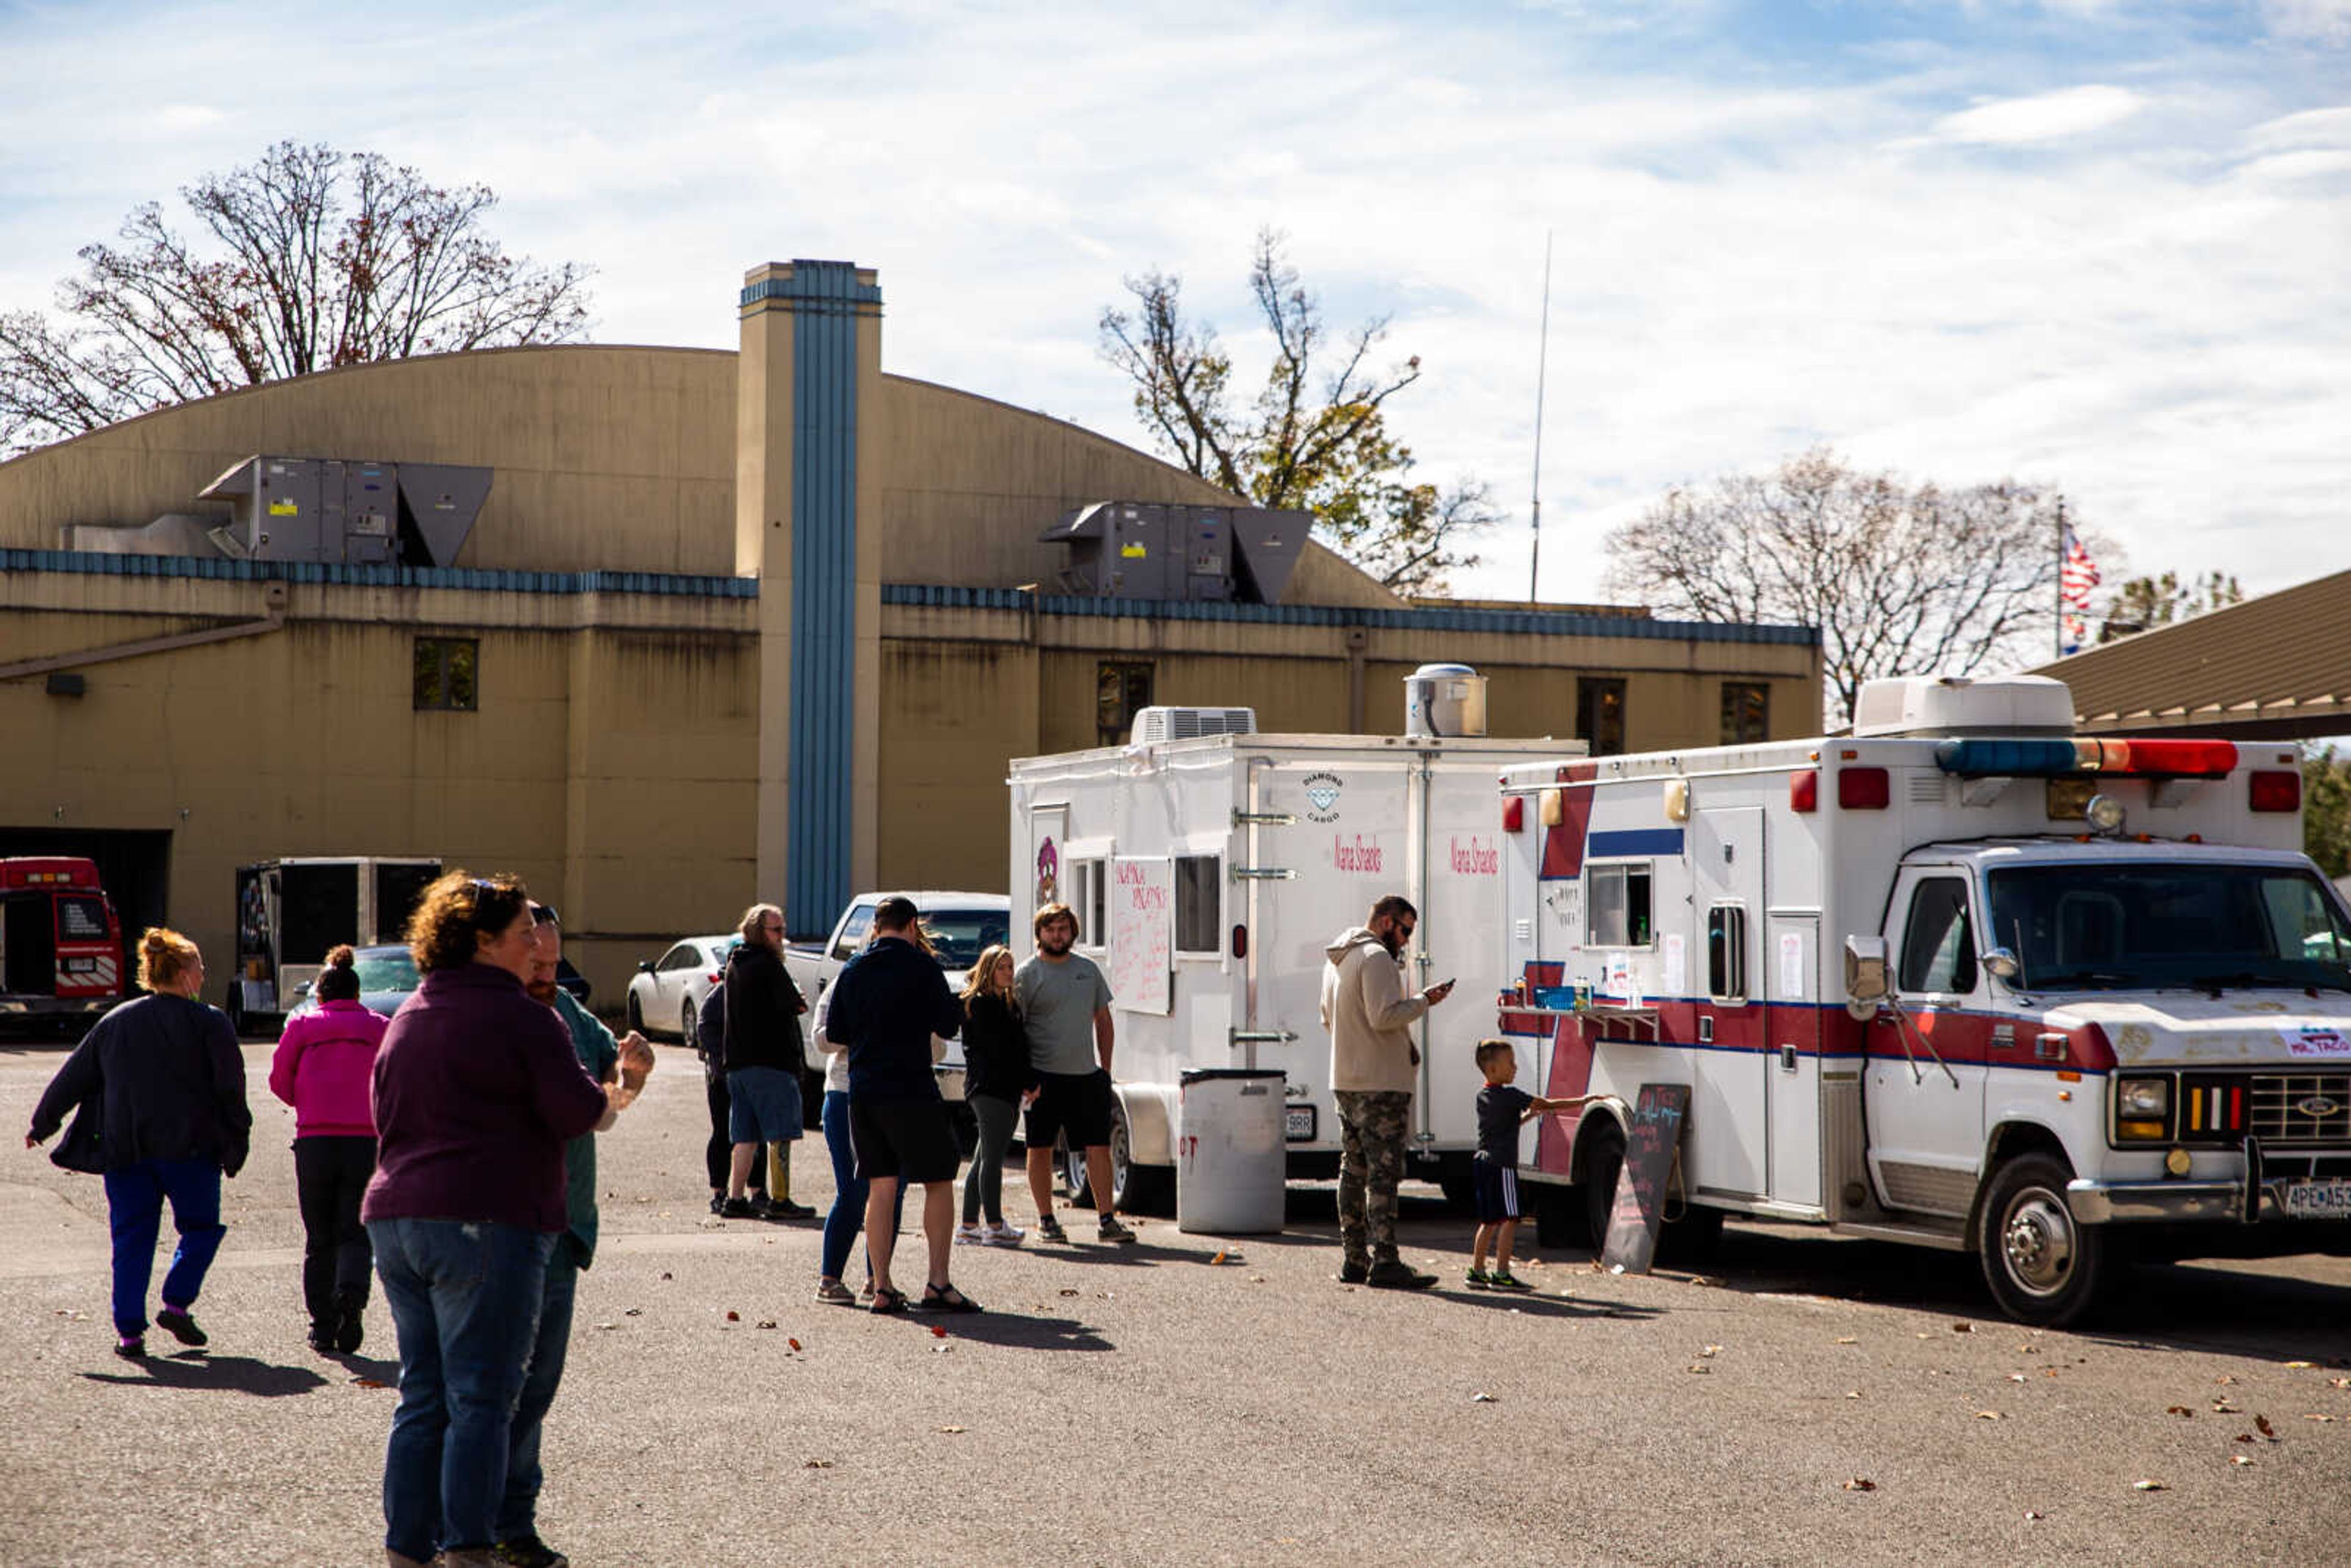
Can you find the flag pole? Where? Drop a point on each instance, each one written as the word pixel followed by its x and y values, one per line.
pixel 1542 363
pixel 2060 576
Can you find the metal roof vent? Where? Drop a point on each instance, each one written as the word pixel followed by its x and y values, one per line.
pixel 1155 725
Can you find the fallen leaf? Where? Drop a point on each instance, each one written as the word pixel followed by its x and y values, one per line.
pixel 2178 1410
pixel 1218 1259
pixel 2241 1459
pixel 1257 1278
pixel 2224 1378
pixel 633 1312
pixel 734 1317
pixel 2316 1417
pixel 1926 1336
pixel 2261 1425
pixel 1963 1328
pixel 1852 1394
pixel 608 1325
pixel 2338 1383
pixel 667 1275
pixel 938 1331
pixel 2028 1350
pixel 1848 1340
pixel 1699 1366
pixel 1861 1483
pixel 2222 1407
pixel 1068 1291
pixel 1990 1415
pixel 950 1429
pixel 2244 1437
pixel 816 1464
pixel 793 1342
pixel 767 1323
pixel 2016 1378
pixel 1712 1350
pixel 2032 1514
pixel 1481 1399
pixel 2300 1365
pixel 370 1383
pixel 2150 1486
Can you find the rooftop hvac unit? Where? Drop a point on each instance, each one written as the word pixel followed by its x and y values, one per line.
pixel 1154 724
pixel 1955 704
pixel 1146 549
pixel 347 513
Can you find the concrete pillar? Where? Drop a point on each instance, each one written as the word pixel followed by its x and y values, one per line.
pixel 807 524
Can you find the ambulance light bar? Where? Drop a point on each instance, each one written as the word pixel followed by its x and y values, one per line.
pixel 1981 759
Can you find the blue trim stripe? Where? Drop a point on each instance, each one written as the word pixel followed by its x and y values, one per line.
pixel 823 298
pixel 1635 842
pixel 473 579
pixel 1547 624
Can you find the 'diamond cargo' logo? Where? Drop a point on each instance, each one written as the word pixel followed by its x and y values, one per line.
pixel 1321 797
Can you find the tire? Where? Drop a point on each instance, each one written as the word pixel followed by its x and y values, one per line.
pixel 685 1021
pixel 2043 1267
pixel 1691 1240
pixel 636 1014
pixel 1560 1219
pixel 1602 1162
pixel 1073 1172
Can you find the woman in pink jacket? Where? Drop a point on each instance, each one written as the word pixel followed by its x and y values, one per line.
pixel 325 1069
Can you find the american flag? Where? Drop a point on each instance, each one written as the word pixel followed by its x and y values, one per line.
pixel 2076 575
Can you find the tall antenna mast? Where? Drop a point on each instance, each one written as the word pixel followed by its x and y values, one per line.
pixel 1543 362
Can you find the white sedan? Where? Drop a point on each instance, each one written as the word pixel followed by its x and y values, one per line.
pixel 665 994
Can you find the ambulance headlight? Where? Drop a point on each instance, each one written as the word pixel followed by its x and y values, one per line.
pixel 2142 1108
pixel 2104 814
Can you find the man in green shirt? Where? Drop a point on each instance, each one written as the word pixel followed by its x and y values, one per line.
pixel 625 1062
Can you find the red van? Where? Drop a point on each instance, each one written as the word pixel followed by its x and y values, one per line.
pixel 60 944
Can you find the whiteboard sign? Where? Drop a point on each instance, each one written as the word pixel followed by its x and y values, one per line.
pixel 1143 936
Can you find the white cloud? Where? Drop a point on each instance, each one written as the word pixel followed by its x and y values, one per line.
pixel 2325 21
pixel 2043 117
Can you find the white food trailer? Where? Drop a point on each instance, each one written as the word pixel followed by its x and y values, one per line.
pixel 1209 866
pixel 1963 980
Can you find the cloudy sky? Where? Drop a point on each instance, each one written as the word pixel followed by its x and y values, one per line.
pixel 2094 243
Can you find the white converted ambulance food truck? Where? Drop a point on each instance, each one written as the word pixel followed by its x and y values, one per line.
pixel 1209 865
pixel 1963 980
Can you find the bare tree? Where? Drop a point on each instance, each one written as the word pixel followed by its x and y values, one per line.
pixel 1900 581
pixel 316 259
pixel 1314 437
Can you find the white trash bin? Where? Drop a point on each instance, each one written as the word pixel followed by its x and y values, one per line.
pixel 1232 1162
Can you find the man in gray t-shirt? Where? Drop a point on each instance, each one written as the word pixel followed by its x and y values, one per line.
pixel 1065 1008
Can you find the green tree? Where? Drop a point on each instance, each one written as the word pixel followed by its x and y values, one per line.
pixel 2145 602
pixel 1314 436
pixel 307 259
pixel 2327 810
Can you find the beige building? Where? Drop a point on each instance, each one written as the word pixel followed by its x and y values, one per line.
pixel 768 622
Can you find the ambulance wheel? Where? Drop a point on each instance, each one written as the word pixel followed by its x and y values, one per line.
pixel 1559 1215
pixel 2042 1266
pixel 1692 1237
pixel 1601 1161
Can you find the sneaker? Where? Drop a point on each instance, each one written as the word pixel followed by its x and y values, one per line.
pixel 1352 1270
pixel 969 1236
pixel 130 1348
pixel 737 1208
pixel 778 1209
pixel 1478 1279
pixel 176 1321
pixel 1396 1274
pixel 1114 1233
pixel 529 1552
pixel 352 1333
pixel 1049 1229
pixel 322 1337
pixel 1002 1235
pixel 719 1203
pixel 1503 1280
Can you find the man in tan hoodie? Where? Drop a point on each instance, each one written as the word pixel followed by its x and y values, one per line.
pixel 1374 1066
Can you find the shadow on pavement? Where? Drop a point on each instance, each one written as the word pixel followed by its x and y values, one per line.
pixel 1535 1306
pixel 1015 1330
pixel 229 1374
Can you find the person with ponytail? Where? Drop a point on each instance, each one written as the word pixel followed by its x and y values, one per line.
pixel 325 1069
pixel 163 1077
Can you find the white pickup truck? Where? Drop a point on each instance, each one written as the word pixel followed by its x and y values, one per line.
pixel 961 927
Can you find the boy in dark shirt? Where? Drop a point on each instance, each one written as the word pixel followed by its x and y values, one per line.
pixel 1501 1110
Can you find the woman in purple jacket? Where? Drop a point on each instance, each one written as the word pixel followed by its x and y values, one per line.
pixel 477 1089
pixel 325 1069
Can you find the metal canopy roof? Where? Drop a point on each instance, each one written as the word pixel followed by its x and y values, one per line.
pixel 2272 668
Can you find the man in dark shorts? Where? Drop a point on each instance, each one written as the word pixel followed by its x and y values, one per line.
pixel 888 1003
pixel 1065 1005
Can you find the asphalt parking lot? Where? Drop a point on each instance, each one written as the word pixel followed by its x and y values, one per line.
pixel 1809 1399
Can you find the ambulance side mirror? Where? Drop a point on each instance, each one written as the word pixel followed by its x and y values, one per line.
pixel 2002 961
pixel 1864 975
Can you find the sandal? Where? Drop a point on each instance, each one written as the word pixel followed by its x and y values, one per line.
pixel 833 1290
pixel 888 1302
pixel 945 1299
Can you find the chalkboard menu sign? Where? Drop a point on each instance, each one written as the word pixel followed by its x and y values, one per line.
pixel 1649 1144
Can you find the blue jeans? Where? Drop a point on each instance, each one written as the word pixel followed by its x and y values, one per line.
pixel 464 1298
pixel 518 1515
pixel 134 1213
pixel 847 1216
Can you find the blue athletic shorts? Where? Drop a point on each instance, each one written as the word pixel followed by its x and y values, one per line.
pixel 1497 1190
pixel 763 1105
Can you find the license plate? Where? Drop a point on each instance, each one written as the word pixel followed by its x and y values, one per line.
pixel 2327 1199
pixel 1298 1123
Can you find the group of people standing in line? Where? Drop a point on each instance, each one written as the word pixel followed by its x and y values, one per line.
pixel 1037 1036
pixel 451 1147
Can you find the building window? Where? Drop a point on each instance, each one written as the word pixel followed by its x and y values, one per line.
pixel 444 674
pixel 1600 714
pixel 1746 712
pixel 1121 691
pixel 1199 888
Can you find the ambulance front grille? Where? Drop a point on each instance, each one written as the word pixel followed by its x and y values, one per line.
pixel 2300 1107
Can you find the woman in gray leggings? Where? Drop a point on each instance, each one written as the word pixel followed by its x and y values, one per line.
pixel 996 1080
